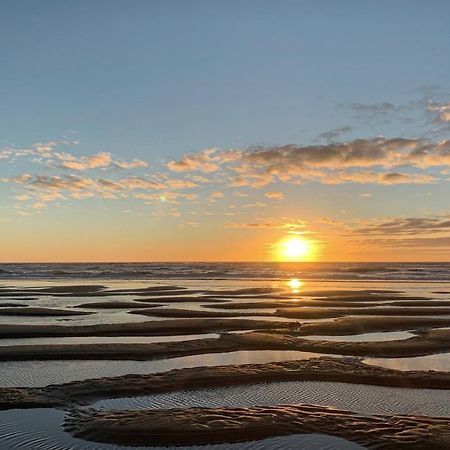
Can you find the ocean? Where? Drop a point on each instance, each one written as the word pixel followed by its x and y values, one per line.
pixel 318 271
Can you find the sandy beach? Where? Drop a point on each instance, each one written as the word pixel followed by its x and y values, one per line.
pixel 331 325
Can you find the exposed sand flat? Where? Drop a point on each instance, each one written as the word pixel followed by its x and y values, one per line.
pixel 347 292
pixel 156 328
pixel 208 426
pixel 305 312
pixel 356 325
pixel 188 313
pixel 116 350
pixel 75 289
pixel 359 296
pixel 94 291
pixel 433 341
pixel 116 305
pixel 12 305
pixel 348 370
pixel 283 303
pixel 419 303
pixel 182 299
pixel 242 292
pixel 40 429
pixel 32 311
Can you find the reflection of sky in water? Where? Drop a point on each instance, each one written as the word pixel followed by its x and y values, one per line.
pixel 106 339
pixel 439 362
pixel 42 373
pixel 364 337
pixel 359 398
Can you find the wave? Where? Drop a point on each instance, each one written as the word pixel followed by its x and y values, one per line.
pixel 218 271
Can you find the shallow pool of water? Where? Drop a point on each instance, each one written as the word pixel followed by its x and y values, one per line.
pixel 363 399
pixel 42 373
pixel 439 362
pixel 364 337
pixel 105 339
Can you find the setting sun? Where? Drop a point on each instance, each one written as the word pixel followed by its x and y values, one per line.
pixel 295 249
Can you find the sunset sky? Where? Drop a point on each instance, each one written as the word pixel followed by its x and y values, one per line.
pixel 141 130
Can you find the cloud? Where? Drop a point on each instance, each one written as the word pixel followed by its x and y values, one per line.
pixel 43 189
pixel 332 135
pixel 274 195
pixel 368 177
pixel 201 161
pixel 442 111
pixel 48 154
pixel 391 161
pixel 134 164
pixel 406 226
pixel 377 109
pixel 68 161
pixel 287 224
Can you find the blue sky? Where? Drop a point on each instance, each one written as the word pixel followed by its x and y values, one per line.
pixel 165 77
pixel 155 81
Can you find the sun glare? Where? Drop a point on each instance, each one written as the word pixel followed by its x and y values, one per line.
pixel 295 249
pixel 295 284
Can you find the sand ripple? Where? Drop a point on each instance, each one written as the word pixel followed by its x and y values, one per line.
pixel 39 429
pixel 363 399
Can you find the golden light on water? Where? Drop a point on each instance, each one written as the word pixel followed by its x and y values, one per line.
pixel 295 284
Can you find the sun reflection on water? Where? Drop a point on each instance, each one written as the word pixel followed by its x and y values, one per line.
pixel 295 285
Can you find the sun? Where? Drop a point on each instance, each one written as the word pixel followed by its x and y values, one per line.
pixel 294 249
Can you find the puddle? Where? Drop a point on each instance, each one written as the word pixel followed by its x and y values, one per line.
pixel 365 337
pixel 106 339
pixel 42 373
pixel 439 362
pixel 359 398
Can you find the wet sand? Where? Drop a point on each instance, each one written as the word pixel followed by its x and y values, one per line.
pixel 348 370
pixel 267 319
pixel 424 343
pixel 16 310
pixel 209 426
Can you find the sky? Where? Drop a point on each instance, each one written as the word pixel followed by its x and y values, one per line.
pixel 206 130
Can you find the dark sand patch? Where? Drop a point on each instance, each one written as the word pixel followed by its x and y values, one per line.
pixel 347 293
pixel 95 291
pixel 12 305
pixel 426 343
pixel 347 370
pixel 357 325
pixel 426 303
pixel 289 304
pixel 372 298
pixel 305 312
pixel 432 341
pixel 116 305
pixel 220 425
pixel 244 291
pixel 75 289
pixel 43 312
pixel 184 299
pixel 151 328
pixel 190 313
